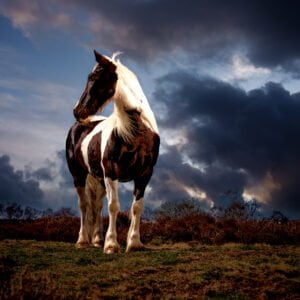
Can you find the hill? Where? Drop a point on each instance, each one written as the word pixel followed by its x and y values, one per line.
pixel 31 269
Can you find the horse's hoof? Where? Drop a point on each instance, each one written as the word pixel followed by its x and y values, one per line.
pixel 136 248
pixel 111 250
pixel 98 244
pixel 82 245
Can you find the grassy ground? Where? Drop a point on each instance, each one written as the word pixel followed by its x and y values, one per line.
pixel 30 269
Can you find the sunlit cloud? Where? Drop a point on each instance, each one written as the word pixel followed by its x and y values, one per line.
pixel 263 190
pixel 243 69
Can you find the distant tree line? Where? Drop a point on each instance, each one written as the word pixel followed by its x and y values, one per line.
pixel 173 221
pixel 237 210
pixel 14 211
pixel 173 209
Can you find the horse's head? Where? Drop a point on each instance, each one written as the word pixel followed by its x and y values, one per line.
pixel 100 88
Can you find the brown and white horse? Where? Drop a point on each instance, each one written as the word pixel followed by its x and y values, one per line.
pixel 104 151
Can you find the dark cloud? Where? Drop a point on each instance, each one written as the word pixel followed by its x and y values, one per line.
pixel 173 177
pixel 66 178
pixel 268 30
pixel 243 139
pixel 14 187
pixel 24 186
pixel 43 173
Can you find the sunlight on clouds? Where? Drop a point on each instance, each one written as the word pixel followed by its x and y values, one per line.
pixel 248 197
pixel 174 184
pixel 262 192
pixel 171 137
pixel 21 18
pixel 30 16
pixel 243 69
pixel 198 194
pixel 193 164
pixel 195 193
pixel 241 72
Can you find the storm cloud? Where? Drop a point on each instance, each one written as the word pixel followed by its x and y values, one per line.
pixel 267 31
pixel 241 140
pixel 15 188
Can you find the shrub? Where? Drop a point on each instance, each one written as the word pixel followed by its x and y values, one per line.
pixel 190 224
pixel 177 209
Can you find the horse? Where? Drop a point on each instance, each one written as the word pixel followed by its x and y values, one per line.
pixel 102 151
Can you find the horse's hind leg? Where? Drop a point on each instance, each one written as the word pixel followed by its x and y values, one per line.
pixel 133 238
pixel 95 193
pixel 83 238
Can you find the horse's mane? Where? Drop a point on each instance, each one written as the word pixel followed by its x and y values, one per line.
pixel 115 55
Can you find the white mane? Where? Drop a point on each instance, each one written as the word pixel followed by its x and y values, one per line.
pixel 129 95
pixel 115 55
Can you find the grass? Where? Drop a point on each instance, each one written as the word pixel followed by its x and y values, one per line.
pixel 31 269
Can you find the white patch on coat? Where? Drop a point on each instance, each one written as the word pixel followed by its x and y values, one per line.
pixel 83 238
pixel 111 243
pixel 133 237
pixel 95 118
pixel 105 127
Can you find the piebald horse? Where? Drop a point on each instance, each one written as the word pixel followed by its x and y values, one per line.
pixel 104 151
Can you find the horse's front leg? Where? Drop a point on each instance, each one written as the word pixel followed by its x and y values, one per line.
pixel 111 244
pixel 133 238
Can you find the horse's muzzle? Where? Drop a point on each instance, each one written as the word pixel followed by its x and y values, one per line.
pixel 76 114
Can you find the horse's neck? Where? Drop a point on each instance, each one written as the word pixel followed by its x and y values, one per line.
pixel 123 124
pixel 129 122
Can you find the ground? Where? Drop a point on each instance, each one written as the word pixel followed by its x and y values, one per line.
pixel 31 269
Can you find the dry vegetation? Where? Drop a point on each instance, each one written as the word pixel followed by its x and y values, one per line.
pixel 198 227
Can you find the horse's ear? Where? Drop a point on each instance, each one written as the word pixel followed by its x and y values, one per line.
pixel 102 60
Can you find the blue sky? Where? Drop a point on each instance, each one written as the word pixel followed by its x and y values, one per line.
pixel 223 82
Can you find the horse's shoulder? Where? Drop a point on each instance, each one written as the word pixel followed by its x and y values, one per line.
pixel 80 130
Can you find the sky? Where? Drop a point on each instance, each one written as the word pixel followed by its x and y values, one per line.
pixel 222 77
